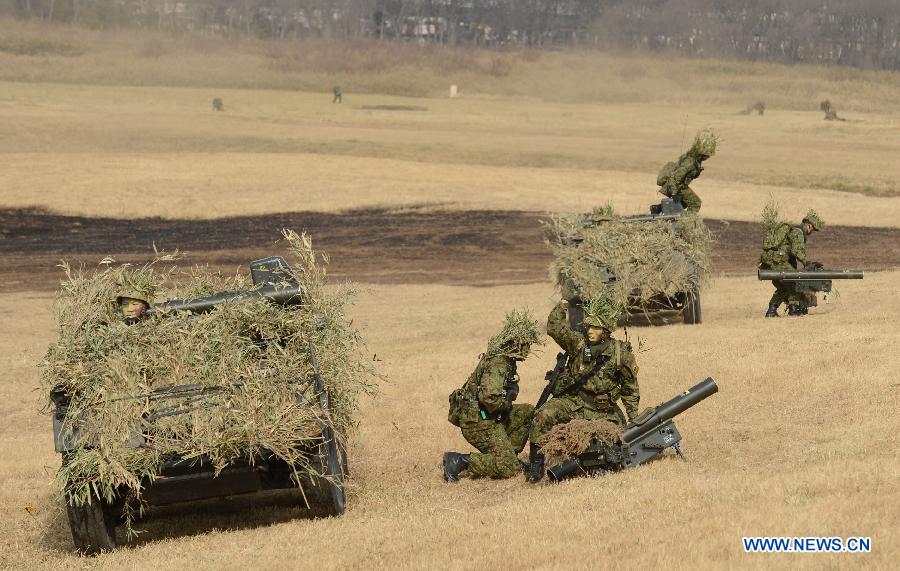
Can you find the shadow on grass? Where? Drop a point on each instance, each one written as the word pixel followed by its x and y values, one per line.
pixel 230 513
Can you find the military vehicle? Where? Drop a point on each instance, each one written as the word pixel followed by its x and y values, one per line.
pixel 180 480
pixel 687 303
pixel 645 438
pixel 810 281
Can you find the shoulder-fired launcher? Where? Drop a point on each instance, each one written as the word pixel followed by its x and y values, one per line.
pixel 810 282
pixel 794 275
pixel 645 438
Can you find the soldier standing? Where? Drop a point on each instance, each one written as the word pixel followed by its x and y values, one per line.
pixel 675 177
pixel 599 372
pixel 483 408
pixel 785 249
pixel 338 94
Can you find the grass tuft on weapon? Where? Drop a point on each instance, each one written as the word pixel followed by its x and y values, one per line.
pixel 574 438
pixel 647 258
pixel 248 363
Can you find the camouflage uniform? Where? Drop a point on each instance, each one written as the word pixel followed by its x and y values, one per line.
pixel 675 177
pixel 611 371
pixel 483 408
pixel 785 249
pixel 594 379
pixel 498 429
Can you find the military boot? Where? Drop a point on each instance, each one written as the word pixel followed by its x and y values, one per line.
pixel 535 465
pixel 795 311
pixel 454 463
pixel 773 310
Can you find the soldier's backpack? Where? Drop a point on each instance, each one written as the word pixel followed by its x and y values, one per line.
pixel 462 400
pixel 775 249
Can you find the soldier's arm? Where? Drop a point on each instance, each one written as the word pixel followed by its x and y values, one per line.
pixel 493 377
pixel 559 330
pixel 630 393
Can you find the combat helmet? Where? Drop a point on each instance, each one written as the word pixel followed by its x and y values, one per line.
pixel 602 312
pixel 814 219
pixel 705 143
pixel 515 339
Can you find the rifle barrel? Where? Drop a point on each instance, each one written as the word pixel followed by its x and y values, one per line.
pixel 789 275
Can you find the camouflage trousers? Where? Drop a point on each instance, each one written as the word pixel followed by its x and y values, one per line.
pixel 561 410
pixel 689 199
pixel 784 293
pixel 498 443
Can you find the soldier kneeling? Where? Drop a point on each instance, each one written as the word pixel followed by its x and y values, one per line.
pixel 483 408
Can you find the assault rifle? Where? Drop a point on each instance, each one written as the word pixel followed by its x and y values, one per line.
pixel 646 437
pixel 551 376
pixel 811 280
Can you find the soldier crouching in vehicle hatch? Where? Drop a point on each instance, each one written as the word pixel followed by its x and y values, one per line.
pixel 483 408
pixel 131 304
pixel 599 372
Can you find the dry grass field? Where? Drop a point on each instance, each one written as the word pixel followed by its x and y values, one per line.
pixel 801 439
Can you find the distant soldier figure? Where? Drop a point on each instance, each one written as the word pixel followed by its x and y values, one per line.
pixel 759 107
pixel 218 105
pixel 600 371
pixel 830 111
pixel 338 94
pixel 785 249
pixel 483 408
pixel 675 177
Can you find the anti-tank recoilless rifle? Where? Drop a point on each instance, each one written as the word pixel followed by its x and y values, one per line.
pixel 646 437
pixel 811 280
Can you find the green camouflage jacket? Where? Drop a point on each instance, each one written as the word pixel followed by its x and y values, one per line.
pixel 485 389
pixel 784 248
pixel 614 380
pixel 677 175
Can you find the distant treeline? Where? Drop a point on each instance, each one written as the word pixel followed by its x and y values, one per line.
pixel 864 33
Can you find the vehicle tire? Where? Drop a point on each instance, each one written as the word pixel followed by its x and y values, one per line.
pixel 333 477
pixel 691 312
pixel 93 527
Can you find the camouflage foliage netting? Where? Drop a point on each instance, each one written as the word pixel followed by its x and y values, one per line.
pixel 574 437
pixel 250 359
pixel 647 258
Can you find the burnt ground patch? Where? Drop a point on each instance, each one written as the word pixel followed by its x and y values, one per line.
pixel 474 247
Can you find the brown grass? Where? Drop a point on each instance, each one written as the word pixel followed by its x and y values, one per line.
pixel 96 150
pixel 796 443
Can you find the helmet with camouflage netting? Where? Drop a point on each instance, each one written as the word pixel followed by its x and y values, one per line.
pixel 602 312
pixel 519 333
pixel 814 220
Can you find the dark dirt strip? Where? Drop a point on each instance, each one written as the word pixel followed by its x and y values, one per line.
pixel 476 247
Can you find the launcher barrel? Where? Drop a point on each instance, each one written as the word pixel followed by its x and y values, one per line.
pixel 670 409
pixel 289 295
pixel 793 275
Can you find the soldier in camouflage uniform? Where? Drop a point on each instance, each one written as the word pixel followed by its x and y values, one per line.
pixel 483 408
pixel 131 303
pixel 675 177
pixel 599 372
pixel 785 249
